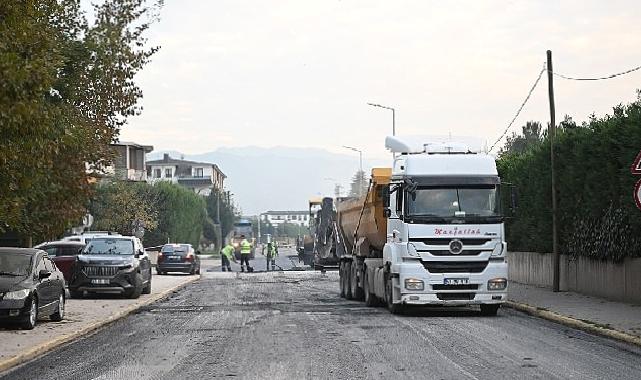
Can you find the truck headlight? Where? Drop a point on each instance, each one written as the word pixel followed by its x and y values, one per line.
pixel 17 295
pixel 498 249
pixel 414 284
pixel 497 284
pixel 411 250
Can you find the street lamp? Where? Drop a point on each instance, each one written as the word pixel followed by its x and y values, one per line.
pixel 360 155
pixel 393 115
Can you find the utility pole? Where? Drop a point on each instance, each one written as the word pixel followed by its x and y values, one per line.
pixel 552 131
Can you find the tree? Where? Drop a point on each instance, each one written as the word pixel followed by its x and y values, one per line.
pixel 359 184
pixel 220 205
pixel 181 215
pixel 66 89
pixel 120 206
pixel 532 135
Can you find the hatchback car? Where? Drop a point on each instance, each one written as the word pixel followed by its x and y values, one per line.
pixel 63 253
pixel 112 264
pixel 30 287
pixel 178 258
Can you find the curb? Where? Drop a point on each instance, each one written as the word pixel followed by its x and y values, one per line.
pixel 588 326
pixel 45 347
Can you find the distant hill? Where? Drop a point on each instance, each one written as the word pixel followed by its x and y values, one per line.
pixel 279 178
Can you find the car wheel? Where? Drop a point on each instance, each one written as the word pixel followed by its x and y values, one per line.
pixel 341 279
pixel 147 289
pixel 158 271
pixel 137 290
pixel 30 321
pixel 59 315
pixel 198 270
pixel 75 293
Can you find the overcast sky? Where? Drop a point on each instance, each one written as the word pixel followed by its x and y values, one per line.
pixel 299 73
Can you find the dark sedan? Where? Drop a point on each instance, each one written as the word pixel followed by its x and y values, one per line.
pixel 31 286
pixel 63 253
pixel 178 258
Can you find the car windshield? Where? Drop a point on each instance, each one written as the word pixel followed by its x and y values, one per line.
pixel 99 246
pixel 446 202
pixel 175 248
pixel 13 264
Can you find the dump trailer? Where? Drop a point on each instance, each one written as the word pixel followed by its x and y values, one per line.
pixel 429 231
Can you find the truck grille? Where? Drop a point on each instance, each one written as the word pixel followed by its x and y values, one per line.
pixel 448 253
pixel 446 241
pixel 455 296
pixel 455 287
pixel 100 271
pixel 455 266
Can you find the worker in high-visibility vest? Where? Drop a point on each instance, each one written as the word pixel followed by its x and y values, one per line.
pixel 245 251
pixel 272 252
pixel 227 254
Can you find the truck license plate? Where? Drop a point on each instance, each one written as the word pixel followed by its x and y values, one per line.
pixel 100 281
pixel 456 281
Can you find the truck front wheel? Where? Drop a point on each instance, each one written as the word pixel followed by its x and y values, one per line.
pixel 394 308
pixel 489 310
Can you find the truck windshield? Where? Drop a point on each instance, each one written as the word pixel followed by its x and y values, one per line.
pixel 446 202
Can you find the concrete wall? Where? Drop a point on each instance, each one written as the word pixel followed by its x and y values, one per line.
pixel 617 282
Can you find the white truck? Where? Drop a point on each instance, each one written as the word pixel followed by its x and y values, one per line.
pixel 429 231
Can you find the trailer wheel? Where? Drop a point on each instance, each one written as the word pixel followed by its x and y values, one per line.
pixel 341 278
pixel 357 291
pixel 348 282
pixel 370 298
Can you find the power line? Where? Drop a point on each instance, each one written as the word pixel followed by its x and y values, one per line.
pixel 518 112
pixel 599 78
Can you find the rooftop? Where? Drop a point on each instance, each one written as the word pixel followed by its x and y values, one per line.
pixel 175 161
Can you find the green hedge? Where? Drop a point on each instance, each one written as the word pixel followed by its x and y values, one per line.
pixel 596 210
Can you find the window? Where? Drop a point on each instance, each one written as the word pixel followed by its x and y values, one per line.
pixel 198 172
pixel 168 173
pixel 157 173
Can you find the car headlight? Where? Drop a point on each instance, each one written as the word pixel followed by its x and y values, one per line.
pixel 411 250
pixel 497 284
pixel 17 294
pixel 414 284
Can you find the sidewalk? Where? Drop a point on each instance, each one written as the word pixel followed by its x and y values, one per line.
pixel 588 313
pixel 82 317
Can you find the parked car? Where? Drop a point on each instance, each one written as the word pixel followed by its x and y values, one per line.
pixel 31 287
pixel 63 253
pixel 112 264
pixel 178 258
pixel 86 237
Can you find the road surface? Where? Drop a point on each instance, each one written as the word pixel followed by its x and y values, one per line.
pixel 293 325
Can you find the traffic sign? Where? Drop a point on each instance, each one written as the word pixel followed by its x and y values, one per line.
pixel 636 165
